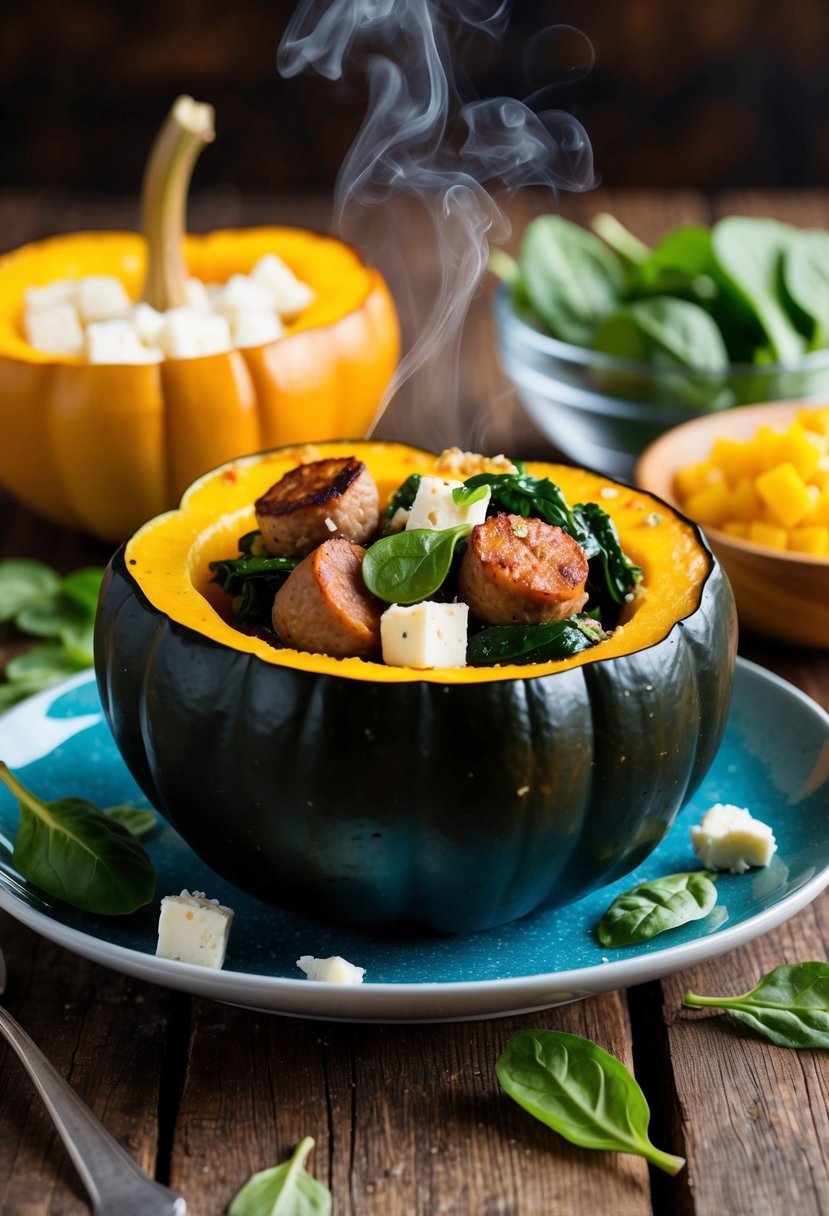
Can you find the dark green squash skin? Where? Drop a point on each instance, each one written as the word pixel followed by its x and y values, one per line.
pixel 457 806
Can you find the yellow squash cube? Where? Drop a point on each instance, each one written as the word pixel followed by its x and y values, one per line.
pixel 784 492
pixel 768 535
pixel 813 540
pixel 710 505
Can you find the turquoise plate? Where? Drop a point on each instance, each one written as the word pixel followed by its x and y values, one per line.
pixel 774 760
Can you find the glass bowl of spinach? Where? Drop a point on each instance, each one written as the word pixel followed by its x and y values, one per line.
pixel 611 342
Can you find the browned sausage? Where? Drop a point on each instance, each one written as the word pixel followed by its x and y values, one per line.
pixel 316 502
pixel 323 605
pixel 522 570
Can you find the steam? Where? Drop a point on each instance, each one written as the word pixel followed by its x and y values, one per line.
pixel 422 139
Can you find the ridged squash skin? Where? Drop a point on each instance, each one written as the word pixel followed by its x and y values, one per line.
pixel 456 799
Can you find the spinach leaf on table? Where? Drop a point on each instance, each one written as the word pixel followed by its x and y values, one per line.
pixel 570 277
pixel 408 567
pixel 284 1190
pixel 73 850
pixel 656 906
pixel 789 1006
pixel 580 1091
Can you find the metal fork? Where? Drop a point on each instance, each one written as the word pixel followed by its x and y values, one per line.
pixel 116 1185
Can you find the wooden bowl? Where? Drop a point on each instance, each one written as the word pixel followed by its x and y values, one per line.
pixel 779 594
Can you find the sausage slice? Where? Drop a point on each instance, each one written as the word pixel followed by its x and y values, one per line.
pixel 324 607
pixel 524 571
pixel 315 502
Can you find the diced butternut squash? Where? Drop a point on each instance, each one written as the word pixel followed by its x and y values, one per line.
pixel 768 535
pixel 735 457
pixel 745 502
pixel 694 477
pixel 736 527
pixel 814 540
pixel 784 492
pixel 711 504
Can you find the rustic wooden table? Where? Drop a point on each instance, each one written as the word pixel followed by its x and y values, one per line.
pixel 410 1119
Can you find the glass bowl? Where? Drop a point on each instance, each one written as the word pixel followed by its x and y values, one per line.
pixel 602 411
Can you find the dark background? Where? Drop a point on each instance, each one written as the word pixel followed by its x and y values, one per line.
pixel 706 94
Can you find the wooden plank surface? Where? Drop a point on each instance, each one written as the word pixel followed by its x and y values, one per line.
pixel 411 1119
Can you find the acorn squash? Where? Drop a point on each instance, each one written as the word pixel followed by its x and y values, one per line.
pixel 459 798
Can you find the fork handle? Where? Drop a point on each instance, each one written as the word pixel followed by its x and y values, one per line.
pixel 116 1184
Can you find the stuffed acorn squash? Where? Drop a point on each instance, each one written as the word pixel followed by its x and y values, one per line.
pixel 460 798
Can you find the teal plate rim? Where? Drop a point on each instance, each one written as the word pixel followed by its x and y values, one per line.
pixel 774 759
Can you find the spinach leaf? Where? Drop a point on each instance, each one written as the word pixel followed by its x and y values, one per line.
pixel 284 1190
pixel 596 533
pixel 46 663
pixel 72 850
pixel 401 499
pixel 504 267
pixel 580 1091
pixel 656 906
pixel 23 581
pixel 252 580
pixel 532 643
pixel 571 278
pixel 521 494
pixel 750 254
pixel 632 252
pixel 789 1006
pixel 806 277
pixel 465 496
pixel 139 821
pixel 664 331
pixel 233 573
pixel 410 566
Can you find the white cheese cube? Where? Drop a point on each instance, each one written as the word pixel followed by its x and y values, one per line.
pixel 434 507
pixel 240 295
pixel 117 342
pixel 289 295
pixel 57 329
pixel 197 295
pixel 102 297
pixel 193 929
pixel 189 334
pixel 729 838
pixel 255 328
pixel 424 635
pixel 333 970
pixel 147 323
pixel 62 291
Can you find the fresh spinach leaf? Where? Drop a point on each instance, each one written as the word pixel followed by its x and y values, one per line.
pixel 580 1091
pixel 139 821
pixel 72 850
pixel 466 496
pixel 532 643
pixel 789 1006
pixel 806 276
pixel 22 581
pixel 504 267
pixel 410 566
pixel 284 1190
pixel 82 588
pixel 750 254
pixel 632 252
pixel 571 278
pixel 521 494
pixel 656 906
pixel 664 331
pixel 46 662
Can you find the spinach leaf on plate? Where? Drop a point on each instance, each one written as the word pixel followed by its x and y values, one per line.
pixel 654 907
pixel 72 850
pixel 789 1006
pixel 580 1091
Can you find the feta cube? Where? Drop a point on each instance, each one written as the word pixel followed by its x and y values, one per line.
pixel 193 929
pixel 147 322
pixel 241 295
pixel 61 291
pixel 56 329
pixel 255 328
pixel 424 635
pixel 288 294
pixel 729 838
pixel 102 297
pixel 117 342
pixel 435 509
pixel 189 334
pixel 333 970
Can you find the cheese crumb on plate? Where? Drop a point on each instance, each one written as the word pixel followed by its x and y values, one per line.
pixel 193 929
pixel 333 970
pixel 729 838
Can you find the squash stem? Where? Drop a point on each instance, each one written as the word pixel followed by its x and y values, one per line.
pixel 189 126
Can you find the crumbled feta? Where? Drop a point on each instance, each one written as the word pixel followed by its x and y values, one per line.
pixel 330 524
pixel 61 291
pixel 189 334
pixel 729 838
pixel 56 329
pixel 240 295
pixel 117 342
pixel 468 464
pixel 102 297
pixel 333 970
pixel 434 507
pixel 288 295
pixel 424 635
pixel 193 929
pixel 147 322
pixel 255 328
